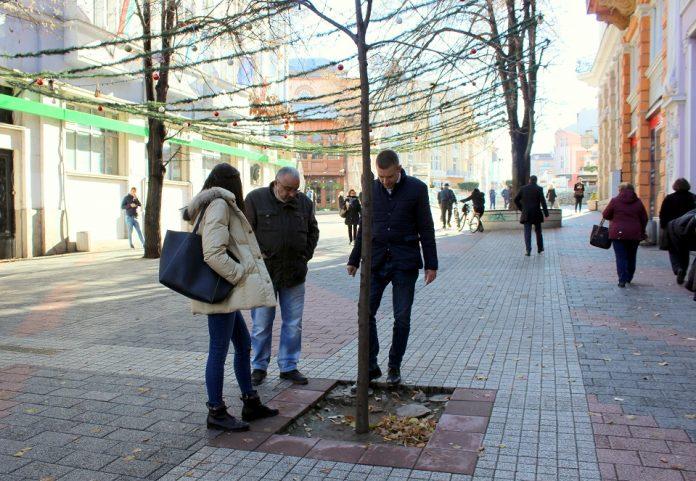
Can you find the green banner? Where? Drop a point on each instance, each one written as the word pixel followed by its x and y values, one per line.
pixel 19 104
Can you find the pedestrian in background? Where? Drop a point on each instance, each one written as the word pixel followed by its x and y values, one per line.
pixel 505 194
pixel 401 226
pixel 491 197
pixel 628 219
pixel 226 233
pixel 578 193
pixel 551 196
pixel 446 199
pixel 287 232
pixel 676 205
pixel 530 200
pixel 353 209
pixel 130 204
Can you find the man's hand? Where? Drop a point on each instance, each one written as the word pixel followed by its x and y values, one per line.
pixel 134 205
pixel 430 275
pixel 351 270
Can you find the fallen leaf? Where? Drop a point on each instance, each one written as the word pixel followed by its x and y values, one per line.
pixel 664 460
pixel 95 430
pixel 636 353
pixel 47 478
pixel 22 452
pixel 690 416
pixel 31 411
pixel 502 446
pixel 630 417
pixel 663 363
pixel 618 399
pixel 677 466
pixel 481 378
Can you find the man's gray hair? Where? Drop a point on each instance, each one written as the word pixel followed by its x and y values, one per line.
pixel 291 171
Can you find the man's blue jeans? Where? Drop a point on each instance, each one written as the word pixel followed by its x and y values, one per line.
pixel 626 252
pixel 403 290
pixel 224 328
pixel 291 300
pixel 132 223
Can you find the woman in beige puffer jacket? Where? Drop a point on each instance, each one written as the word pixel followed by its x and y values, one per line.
pixel 226 235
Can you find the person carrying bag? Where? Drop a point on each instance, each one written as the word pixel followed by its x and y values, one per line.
pixel 229 247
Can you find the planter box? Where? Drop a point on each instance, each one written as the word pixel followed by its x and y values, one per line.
pixel 510 219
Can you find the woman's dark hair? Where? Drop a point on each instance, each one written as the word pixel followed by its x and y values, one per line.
pixel 681 184
pixel 353 192
pixel 228 178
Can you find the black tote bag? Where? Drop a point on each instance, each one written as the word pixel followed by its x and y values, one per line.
pixel 183 270
pixel 600 236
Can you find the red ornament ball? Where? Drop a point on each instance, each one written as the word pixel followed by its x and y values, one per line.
pixel 340 66
pixel 286 136
pixel 234 124
pixel 39 81
pixel 155 76
pixel 216 113
pixel 100 108
pixel 474 51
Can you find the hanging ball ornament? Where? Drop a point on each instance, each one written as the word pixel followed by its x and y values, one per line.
pixel 187 125
pixel 234 124
pixel 340 67
pixel 194 49
pixel 286 136
pixel 230 61
pixel 474 51
pixel 216 113
pixel 399 21
pixel 128 48
pixel 160 109
pixel 100 108
pixel 155 76
pixel 39 81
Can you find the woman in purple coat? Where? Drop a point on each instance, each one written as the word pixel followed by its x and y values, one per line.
pixel 628 220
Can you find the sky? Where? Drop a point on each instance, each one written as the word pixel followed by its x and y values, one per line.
pixel 575 36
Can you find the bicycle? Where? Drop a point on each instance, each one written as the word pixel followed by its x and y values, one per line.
pixel 473 220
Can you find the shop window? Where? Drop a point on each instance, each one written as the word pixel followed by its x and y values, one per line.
pixel 176 159
pixel 91 150
pixel 211 158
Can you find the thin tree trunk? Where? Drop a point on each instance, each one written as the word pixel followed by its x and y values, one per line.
pixel 362 423
pixel 155 143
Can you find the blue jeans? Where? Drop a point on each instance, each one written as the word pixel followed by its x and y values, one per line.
pixel 528 237
pixel 403 290
pixel 626 252
pixel 291 300
pixel 224 328
pixel 131 223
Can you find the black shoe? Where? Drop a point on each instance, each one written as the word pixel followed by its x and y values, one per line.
pixel 681 275
pixel 622 284
pixel 394 377
pixel 539 251
pixel 257 376
pixel 132 246
pixel 253 409
pixel 295 376
pixel 219 418
pixel 375 373
pixel 527 253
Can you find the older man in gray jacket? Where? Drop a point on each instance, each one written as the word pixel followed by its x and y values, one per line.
pixel 287 232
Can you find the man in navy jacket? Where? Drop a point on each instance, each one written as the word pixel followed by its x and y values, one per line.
pixel 402 225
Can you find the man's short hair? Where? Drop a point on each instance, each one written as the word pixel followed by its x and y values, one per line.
pixel 133 188
pixel 681 184
pixel 446 184
pixel 387 158
pixel 533 179
pixel 291 171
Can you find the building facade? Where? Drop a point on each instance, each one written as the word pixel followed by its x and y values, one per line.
pixel 66 165
pixel 630 72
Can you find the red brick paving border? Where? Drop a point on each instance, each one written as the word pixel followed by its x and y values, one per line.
pixel 453 448
pixel 634 448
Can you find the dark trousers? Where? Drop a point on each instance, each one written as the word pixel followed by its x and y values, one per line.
pixel 224 328
pixel 506 202
pixel 528 237
pixel 445 214
pixel 578 204
pixel 403 289
pixel 626 252
pixel 679 259
pixel 492 202
pixel 352 232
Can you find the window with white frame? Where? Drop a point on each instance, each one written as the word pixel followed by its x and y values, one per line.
pixel 656 31
pixel 106 14
pixel 88 149
pixel 175 157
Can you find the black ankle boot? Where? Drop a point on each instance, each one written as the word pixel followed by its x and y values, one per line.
pixel 253 409
pixel 219 418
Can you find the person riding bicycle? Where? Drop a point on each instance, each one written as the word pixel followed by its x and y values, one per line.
pixel 478 199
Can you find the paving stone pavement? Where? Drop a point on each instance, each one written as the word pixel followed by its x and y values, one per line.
pixel 101 368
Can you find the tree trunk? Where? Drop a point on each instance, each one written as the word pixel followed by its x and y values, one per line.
pixel 520 164
pixel 153 207
pixel 362 423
